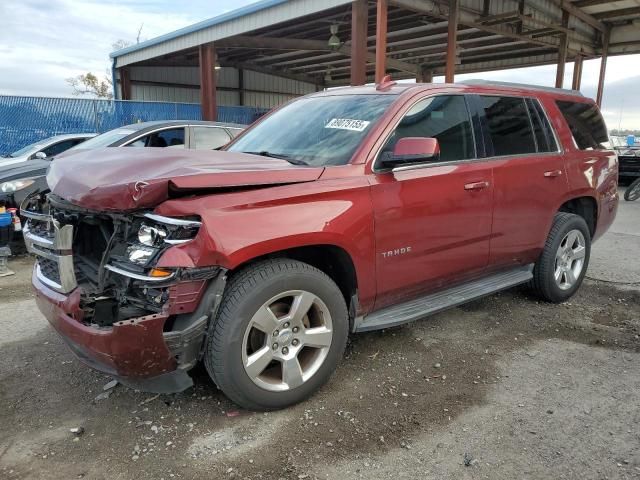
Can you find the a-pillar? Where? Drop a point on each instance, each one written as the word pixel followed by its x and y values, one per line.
pixel 125 84
pixel 603 65
pixel 207 54
pixel 381 40
pixel 577 72
pixel 359 33
pixel 452 41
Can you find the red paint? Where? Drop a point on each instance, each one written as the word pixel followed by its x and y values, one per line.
pixel 406 232
pixel 133 348
pixel 417 146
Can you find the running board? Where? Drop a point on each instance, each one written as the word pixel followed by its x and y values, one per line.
pixel 436 302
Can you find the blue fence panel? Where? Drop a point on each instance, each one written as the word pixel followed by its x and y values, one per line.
pixel 25 120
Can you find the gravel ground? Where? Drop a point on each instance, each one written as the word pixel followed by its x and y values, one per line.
pixel 506 387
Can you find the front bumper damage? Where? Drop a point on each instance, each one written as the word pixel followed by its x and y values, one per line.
pixel 147 347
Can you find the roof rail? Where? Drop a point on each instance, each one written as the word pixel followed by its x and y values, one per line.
pixel 521 85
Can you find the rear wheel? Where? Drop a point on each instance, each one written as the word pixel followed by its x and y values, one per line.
pixel 559 271
pixel 633 191
pixel 281 330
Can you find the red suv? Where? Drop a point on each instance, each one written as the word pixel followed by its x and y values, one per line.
pixel 341 212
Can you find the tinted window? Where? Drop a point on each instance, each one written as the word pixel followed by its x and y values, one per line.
pixel 106 139
pixel 586 124
pixel 58 148
pixel 319 131
pixel 509 125
pixel 541 128
pixel 173 137
pixel 209 138
pixel 445 118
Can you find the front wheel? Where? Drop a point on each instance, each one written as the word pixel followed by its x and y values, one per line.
pixel 281 330
pixel 633 191
pixel 563 263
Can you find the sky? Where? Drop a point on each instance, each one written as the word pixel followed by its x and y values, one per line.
pixel 43 42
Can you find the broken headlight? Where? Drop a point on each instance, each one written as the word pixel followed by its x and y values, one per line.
pixel 157 230
pixel 140 254
pixel 151 235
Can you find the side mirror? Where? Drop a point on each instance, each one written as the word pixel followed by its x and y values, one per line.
pixel 412 150
pixel 41 155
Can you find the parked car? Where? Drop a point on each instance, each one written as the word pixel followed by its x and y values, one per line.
pixel 21 179
pixel 193 134
pixel 344 211
pixel 47 148
pixel 629 158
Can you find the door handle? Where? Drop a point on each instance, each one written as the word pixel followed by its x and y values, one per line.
pixel 476 185
pixel 553 173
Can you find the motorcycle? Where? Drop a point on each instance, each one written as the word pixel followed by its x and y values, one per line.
pixel 633 191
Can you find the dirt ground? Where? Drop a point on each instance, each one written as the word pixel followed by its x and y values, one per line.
pixel 503 388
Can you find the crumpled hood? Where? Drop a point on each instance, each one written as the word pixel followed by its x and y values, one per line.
pixel 120 179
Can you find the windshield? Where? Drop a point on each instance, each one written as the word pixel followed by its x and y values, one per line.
pixel 104 140
pixel 316 131
pixel 34 147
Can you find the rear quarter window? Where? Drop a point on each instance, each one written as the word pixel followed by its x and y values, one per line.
pixel 586 124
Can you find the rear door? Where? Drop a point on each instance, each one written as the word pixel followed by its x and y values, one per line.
pixel 530 178
pixel 432 220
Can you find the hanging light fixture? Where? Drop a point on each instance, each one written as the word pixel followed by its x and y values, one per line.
pixel 217 66
pixel 334 41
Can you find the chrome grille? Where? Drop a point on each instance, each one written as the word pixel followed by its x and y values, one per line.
pixel 52 244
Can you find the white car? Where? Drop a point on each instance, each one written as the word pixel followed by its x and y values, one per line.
pixel 46 148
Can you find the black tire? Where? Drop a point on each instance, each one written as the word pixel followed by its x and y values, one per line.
pixel 632 192
pixel 544 283
pixel 246 292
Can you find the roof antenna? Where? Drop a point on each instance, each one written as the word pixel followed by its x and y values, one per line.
pixel 385 84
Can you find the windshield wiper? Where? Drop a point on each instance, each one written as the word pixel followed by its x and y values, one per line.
pixel 293 161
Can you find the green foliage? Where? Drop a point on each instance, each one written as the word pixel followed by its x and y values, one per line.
pixel 90 84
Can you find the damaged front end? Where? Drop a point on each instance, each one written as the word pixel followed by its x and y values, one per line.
pixel 97 281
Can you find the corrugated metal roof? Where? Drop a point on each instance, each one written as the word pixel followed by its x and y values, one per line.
pixel 257 15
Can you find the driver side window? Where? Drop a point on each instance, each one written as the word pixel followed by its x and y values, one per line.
pixel 443 117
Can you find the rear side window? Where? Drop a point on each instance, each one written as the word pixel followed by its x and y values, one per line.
pixel 509 125
pixel 586 124
pixel 209 138
pixel 542 130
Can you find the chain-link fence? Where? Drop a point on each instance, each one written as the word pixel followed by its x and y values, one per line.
pixel 24 120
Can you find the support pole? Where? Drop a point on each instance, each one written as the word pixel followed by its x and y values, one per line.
pixel 381 40
pixel 125 84
pixel 424 75
pixel 452 36
pixel 603 65
pixel 577 72
pixel 562 51
pixel 359 24
pixel 240 87
pixel 207 55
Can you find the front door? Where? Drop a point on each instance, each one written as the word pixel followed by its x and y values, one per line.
pixel 433 220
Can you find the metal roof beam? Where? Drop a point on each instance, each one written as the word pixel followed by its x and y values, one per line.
pixel 272 71
pixel 582 15
pixel 623 12
pixel 440 10
pixel 243 41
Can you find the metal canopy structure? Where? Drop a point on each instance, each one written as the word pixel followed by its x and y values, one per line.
pixel 330 43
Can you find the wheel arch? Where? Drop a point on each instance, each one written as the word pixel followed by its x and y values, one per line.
pixel 331 259
pixel 585 207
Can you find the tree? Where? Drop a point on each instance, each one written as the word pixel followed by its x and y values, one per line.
pixel 90 84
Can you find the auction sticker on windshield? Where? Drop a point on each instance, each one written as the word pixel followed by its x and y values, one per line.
pixel 347 124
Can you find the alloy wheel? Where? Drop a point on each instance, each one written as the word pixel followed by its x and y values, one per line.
pixel 287 340
pixel 570 258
